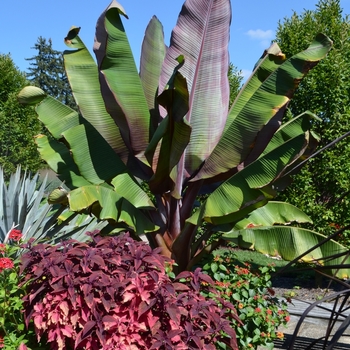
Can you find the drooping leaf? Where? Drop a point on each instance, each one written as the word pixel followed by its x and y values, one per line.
pixel 60 160
pixel 56 116
pixel 31 95
pixel 231 202
pixel 126 187
pixel 294 127
pixel 274 213
pixel 290 242
pixel 107 204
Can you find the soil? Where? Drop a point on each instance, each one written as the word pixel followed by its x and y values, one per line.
pixel 304 287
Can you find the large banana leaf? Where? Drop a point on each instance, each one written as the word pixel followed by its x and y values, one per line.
pixel 152 56
pixel 60 160
pixel 255 110
pixel 82 73
pixel 109 205
pixel 272 213
pixel 173 134
pixel 294 127
pixel 96 160
pixel 201 35
pixel 290 242
pixel 123 133
pixel 244 191
pixel 124 97
pixel 56 116
pixel 89 154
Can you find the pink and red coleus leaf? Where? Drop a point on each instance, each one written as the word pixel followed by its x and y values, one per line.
pixel 127 301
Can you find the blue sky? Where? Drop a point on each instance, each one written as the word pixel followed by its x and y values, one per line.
pixel 253 24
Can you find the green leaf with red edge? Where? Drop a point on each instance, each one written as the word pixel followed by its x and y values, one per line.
pixel 152 56
pixel 87 92
pixel 243 192
pixel 266 97
pixel 201 35
pixel 173 135
pixel 123 97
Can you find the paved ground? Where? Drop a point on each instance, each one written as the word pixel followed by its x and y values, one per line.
pixel 313 328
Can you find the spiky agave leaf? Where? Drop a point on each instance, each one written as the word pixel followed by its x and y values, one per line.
pixel 24 207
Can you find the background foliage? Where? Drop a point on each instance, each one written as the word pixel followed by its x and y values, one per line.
pixel 235 78
pixel 321 189
pixel 19 123
pixel 47 72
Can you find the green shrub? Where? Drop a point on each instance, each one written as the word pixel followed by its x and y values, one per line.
pixel 251 293
pixel 13 332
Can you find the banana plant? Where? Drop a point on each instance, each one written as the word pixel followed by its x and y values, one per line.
pixel 269 230
pixel 147 145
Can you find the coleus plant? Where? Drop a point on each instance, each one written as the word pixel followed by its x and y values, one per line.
pixel 115 293
pixel 146 145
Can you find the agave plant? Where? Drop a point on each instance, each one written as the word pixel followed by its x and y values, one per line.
pixel 147 145
pixel 24 206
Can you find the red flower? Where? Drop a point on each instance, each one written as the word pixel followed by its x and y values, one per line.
pixel 1 341
pixel 6 263
pixel 257 309
pixel 16 235
pixel 2 247
pixel 242 271
pixel 287 318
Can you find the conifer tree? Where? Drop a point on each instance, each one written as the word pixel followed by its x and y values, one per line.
pixel 46 71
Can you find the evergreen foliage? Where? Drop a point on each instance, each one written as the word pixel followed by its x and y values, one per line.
pixel 47 72
pixel 19 123
pixel 321 189
pixel 235 78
